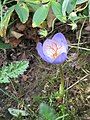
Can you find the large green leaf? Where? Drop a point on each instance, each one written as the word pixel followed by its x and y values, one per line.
pixel 57 10
pixel 40 15
pixel 64 6
pixel 22 11
pixel 71 6
pixel 32 4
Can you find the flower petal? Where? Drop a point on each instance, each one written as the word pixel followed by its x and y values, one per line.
pixel 59 37
pixel 39 49
pixel 46 48
pixel 60 59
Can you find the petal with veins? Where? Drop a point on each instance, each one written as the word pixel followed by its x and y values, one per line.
pixel 39 48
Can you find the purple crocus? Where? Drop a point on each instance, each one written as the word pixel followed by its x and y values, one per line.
pixel 53 50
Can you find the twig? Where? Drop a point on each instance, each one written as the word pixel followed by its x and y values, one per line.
pixel 85 71
pixel 78 81
pixel 79 43
pixel 89 9
pixel 13 86
pixel 59 118
pixel 80 33
pixel 10 96
pixel 1 12
pixel 79 47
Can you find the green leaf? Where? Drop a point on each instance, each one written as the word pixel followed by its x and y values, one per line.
pixel 68 6
pixel 57 10
pixel 81 1
pixel 13 70
pixel 22 11
pixel 7 16
pixel 64 6
pixel 3 75
pixel 32 4
pixel 3 78
pixel 30 1
pixel 34 7
pixel 46 112
pixel 17 112
pixel 43 32
pixel 71 6
pixel 17 68
pixel 5 21
pixel 40 15
pixel 4 45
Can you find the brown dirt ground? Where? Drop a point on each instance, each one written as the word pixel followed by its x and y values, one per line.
pixel 42 79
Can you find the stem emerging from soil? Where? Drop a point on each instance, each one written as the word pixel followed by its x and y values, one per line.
pixel 61 87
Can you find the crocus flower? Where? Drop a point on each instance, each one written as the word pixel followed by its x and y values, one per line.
pixel 53 50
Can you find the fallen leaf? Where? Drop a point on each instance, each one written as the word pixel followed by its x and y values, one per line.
pixel 50 18
pixel 14 42
pixel 20 27
pixel 73 56
pixel 24 56
pixel 17 112
pixel 87 28
pixel 24 77
pixel 16 34
pixel 2 32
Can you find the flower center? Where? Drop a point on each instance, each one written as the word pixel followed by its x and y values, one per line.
pixel 53 50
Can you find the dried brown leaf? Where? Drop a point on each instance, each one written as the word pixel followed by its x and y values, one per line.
pixel 87 28
pixel 16 34
pixel 20 27
pixel 50 18
pixel 14 42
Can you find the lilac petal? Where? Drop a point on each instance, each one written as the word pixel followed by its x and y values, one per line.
pixel 59 37
pixel 46 50
pixel 39 49
pixel 60 59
